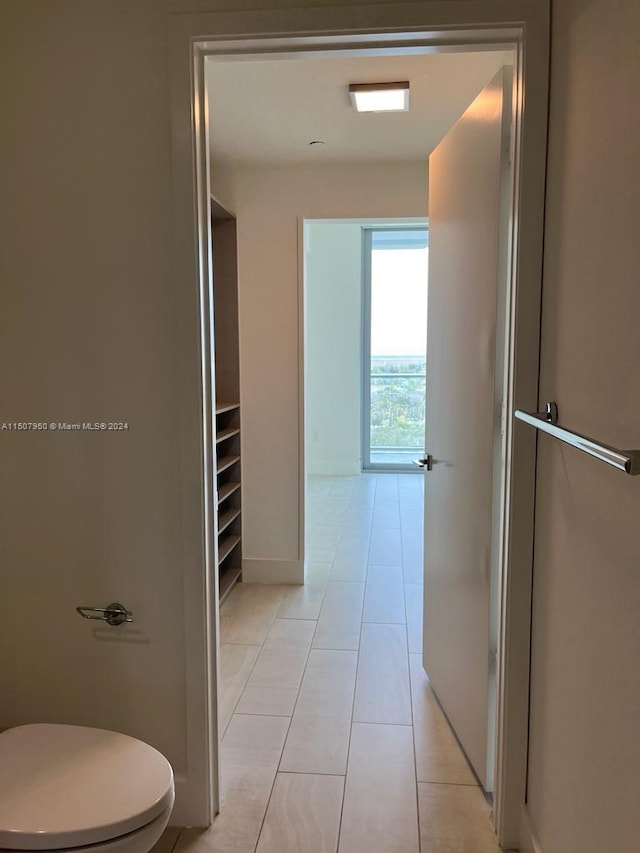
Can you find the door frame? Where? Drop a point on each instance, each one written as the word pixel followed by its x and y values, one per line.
pixel 431 26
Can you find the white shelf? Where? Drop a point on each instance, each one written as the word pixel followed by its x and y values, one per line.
pixel 221 408
pixel 227 518
pixel 228 578
pixel 226 546
pixel 226 433
pixel 226 462
pixel 227 428
pixel 226 491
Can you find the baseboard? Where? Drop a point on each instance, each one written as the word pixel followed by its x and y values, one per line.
pixel 323 468
pixel 529 842
pixel 183 810
pixel 273 571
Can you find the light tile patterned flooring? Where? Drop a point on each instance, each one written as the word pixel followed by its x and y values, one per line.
pixel 333 740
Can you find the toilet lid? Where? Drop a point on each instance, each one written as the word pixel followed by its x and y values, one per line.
pixel 66 786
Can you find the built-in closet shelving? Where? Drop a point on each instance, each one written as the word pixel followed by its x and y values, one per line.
pixel 227 394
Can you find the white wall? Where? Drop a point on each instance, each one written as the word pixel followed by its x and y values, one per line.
pixel 87 326
pixel 333 344
pixel 584 770
pixel 270 204
pixel 87 332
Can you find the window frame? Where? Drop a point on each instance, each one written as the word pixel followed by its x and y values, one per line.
pixel 365 415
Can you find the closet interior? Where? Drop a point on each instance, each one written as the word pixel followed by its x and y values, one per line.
pixel 224 249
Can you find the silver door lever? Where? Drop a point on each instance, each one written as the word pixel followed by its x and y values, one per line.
pixel 427 462
pixel 113 614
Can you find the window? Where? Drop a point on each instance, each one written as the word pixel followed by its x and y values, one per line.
pixel 395 346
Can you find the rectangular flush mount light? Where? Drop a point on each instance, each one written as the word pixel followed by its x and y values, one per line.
pixel 379 97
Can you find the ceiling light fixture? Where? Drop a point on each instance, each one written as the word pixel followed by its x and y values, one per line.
pixel 380 97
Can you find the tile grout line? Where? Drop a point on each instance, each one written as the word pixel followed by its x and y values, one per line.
pixel 306 773
pixel 355 687
pixel 353 705
pixel 276 616
pixel 244 686
pixel 253 714
pixel 411 691
pixel 284 743
pixel 296 703
pixel 404 577
pixel 286 737
pixel 175 843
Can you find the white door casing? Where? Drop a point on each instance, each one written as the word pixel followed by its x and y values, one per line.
pixel 385 28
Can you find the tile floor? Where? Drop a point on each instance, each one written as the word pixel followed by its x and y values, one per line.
pixel 333 741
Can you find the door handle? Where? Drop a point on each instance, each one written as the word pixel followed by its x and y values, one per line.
pixel 113 614
pixel 427 462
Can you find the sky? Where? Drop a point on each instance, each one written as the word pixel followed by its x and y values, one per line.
pixel 399 301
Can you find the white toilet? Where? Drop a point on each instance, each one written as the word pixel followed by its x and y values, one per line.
pixel 69 787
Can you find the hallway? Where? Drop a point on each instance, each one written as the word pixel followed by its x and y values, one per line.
pixel 333 740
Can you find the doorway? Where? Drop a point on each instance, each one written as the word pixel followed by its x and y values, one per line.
pixel 394 347
pixel 364 324
pixel 528 197
pixel 365 315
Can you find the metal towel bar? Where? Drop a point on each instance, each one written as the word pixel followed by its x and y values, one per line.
pixel 547 421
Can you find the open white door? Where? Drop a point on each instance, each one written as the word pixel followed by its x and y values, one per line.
pixel 466 180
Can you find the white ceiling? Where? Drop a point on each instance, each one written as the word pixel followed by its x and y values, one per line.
pixel 267 111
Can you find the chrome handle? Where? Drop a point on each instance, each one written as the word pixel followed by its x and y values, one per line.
pixel 113 614
pixel 547 421
pixel 427 462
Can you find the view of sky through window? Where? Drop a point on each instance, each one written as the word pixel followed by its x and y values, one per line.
pixel 399 267
pixel 399 302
